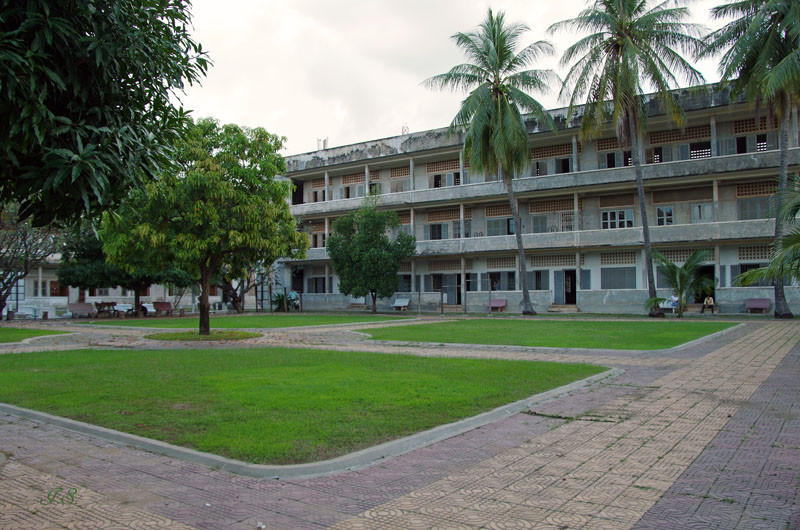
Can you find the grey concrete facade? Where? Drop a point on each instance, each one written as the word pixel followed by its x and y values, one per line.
pixel 707 186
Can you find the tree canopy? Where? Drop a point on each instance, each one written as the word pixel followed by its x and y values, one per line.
pixel 499 79
pixel 22 247
pixel 761 59
pixel 630 48
pixel 88 91
pixel 84 265
pixel 223 208
pixel 363 255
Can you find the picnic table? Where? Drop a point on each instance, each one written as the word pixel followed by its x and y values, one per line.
pixel 106 308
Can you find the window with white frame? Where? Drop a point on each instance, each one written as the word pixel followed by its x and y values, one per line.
pixel 397 186
pixel 539 223
pixel 616 218
pixel 664 216
pixel 753 208
pixel 500 226
pixel 103 291
pixel 457 228
pixel 702 212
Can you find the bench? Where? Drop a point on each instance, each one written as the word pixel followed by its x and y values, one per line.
pixel 164 308
pixel 498 303
pixel 667 305
pixel 401 304
pixel 81 308
pixel 762 304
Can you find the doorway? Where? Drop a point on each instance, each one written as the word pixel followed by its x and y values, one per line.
pixel 706 271
pixel 570 287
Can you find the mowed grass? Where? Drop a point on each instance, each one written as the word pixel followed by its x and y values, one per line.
pixel 271 405
pixel 246 321
pixel 17 334
pixel 193 336
pixel 631 335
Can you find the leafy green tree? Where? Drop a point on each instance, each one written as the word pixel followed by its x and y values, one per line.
pixel 223 209
pixel 363 255
pixel 629 50
pixel 499 80
pixel 22 247
pixel 685 280
pixel 84 265
pixel 761 60
pixel 88 99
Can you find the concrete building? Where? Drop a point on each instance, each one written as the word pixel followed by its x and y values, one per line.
pixel 707 186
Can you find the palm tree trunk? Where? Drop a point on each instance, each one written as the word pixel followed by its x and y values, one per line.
pixel 527 307
pixel 781 307
pixel 648 255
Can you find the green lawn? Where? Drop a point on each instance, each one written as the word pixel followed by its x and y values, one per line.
pixel 270 405
pixel 247 321
pixel 16 334
pixel 642 335
pixel 193 336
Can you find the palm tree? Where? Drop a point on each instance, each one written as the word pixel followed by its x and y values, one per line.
pixel 629 48
pixel 761 59
pixel 499 80
pixel 684 280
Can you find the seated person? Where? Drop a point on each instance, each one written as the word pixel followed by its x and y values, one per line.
pixel 674 300
pixel 708 302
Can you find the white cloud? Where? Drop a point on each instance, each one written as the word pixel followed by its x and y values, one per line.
pixel 349 71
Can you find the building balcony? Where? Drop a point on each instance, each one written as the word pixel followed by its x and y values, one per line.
pixel 707 168
pixel 708 233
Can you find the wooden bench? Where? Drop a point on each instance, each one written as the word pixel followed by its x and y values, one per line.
pixel 79 308
pixel 762 304
pixel 498 303
pixel 164 308
pixel 401 304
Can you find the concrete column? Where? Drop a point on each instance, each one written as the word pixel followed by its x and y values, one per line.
pixel 327 232
pixel 717 267
pixel 328 287
pixel 461 167
pixel 461 219
pixel 577 271
pixel 327 187
pixel 575 161
pixel 463 280
pixel 411 171
pixel 794 130
pixel 366 180
pixel 39 288
pixel 413 224
pixel 643 276
pixel 713 123
pixel 576 225
pixel 413 275
pixel 715 199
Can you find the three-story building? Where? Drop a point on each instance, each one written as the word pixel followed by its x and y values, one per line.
pixel 707 186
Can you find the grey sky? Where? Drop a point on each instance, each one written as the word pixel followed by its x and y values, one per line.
pixel 351 71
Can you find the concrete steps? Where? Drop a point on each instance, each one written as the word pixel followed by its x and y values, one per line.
pixel 562 308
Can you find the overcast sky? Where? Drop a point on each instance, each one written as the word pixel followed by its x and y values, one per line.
pixel 351 71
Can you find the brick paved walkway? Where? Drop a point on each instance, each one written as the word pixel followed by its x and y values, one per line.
pixel 669 443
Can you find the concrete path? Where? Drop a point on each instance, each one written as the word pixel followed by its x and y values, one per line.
pixel 700 437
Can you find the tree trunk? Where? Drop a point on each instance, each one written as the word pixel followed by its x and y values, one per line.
pixel 137 306
pixel 374 302
pixel 648 256
pixel 527 307
pixel 781 307
pixel 203 306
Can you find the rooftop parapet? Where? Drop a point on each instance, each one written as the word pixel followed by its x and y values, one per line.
pixel 691 99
